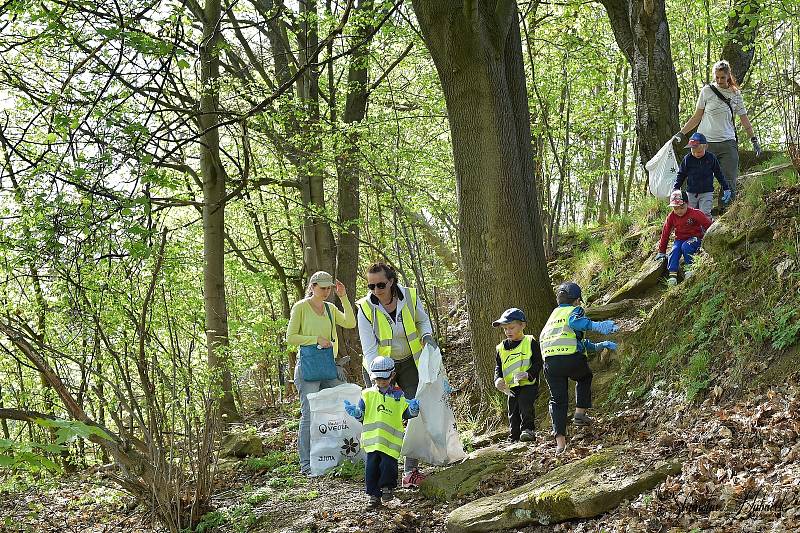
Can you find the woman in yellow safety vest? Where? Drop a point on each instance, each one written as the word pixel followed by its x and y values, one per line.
pixel 393 323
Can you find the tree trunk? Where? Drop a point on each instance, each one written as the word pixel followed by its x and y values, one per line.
pixel 642 33
pixel 624 147
pixel 348 171
pixel 477 51
pixel 319 247
pixel 741 32
pixel 631 172
pixel 213 174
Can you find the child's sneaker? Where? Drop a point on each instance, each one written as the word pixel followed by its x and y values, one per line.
pixel 581 419
pixel 374 502
pixel 527 436
pixel 413 479
pixel 687 274
pixel 387 494
pixel 672 281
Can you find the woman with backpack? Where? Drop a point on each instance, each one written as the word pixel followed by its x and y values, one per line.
pixel 714 114
pixel 312 327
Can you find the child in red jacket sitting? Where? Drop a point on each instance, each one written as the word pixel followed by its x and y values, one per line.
pixel 690 225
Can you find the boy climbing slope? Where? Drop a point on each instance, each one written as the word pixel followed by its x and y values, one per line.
pixel 564 352
pixel 698 169
pixel 689 225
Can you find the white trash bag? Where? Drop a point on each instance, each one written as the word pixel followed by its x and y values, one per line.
pixel 662 171
pixel 335 435
pixel 432 436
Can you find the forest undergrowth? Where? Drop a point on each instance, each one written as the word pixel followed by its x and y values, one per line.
pixel 708 375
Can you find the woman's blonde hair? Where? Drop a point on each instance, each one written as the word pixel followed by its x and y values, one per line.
pixel 724 66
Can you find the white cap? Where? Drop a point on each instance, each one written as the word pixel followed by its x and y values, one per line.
pixel 381 367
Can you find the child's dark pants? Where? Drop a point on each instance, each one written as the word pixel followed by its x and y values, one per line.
pixel 521 414
pixel 558 370
pixel 381 471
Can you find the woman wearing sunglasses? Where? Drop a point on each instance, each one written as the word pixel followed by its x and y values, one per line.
pixel 393 323
pixel 313 321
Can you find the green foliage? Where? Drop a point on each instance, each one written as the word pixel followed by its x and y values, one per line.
pixel 784 328
pixel 69 430
pixel 273 460
pixel 27 455
pixel 696 376
pixel 282 483
pixel 731 315
pixel 299 497
pixel 211 520
pixel 257 496
pixel 348 470
pixel 240 517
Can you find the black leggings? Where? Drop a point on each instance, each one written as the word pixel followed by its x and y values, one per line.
pixel 558 370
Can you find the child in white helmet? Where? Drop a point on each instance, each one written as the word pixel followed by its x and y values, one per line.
pixel 382 409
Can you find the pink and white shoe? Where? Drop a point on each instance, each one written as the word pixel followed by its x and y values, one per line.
pixel 413 479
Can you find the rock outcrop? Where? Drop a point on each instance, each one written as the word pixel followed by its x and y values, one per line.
pixel 582 489
pixel 241 442
pixel 463 478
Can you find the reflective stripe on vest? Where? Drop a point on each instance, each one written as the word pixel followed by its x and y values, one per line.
pixel 383 423
pixel 516 360
pixel 383 329
pixel 557 337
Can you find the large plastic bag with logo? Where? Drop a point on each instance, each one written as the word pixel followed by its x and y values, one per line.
pixel 662 170
pixel 335 435
pixel 432 436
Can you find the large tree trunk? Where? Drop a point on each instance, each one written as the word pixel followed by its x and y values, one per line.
pixel 741 32
pixel 623 149
pixel 348 170
pixel 478 55
pixel 642 33
pixel 213 174
pixel 319 252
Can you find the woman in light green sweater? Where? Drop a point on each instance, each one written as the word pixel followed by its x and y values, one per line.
pixel 310 323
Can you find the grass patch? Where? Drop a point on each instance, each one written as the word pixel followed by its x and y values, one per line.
pixel 273 460
pixel 347 470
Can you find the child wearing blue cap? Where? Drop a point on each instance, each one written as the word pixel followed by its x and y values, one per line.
pixel 564 352
pixel 698 169
pixel 516 372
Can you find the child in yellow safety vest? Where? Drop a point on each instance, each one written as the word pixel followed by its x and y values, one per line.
pixel 518 364
pixel 382 409
pixel 564 352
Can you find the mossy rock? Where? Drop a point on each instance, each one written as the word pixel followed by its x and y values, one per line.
pixel 463 478
pixel 583 489
pixel 722 237
pixel 492 437
pixel 648 276
pixel 241 442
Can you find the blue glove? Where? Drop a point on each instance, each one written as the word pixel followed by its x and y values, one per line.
pixel 660 255
pixel 726 196
pixel 352 410
pixel 611 345
pixel 413 406
pixel 446 386
pixel 605 327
